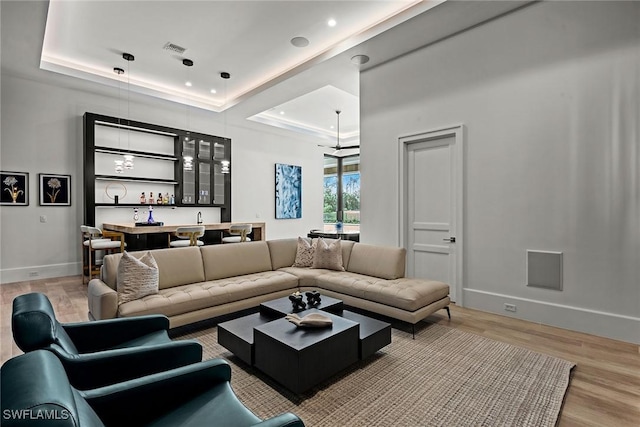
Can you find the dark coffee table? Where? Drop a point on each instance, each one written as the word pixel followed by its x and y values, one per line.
pixel 299 358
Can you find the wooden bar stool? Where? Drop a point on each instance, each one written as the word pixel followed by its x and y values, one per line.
pixel 94 239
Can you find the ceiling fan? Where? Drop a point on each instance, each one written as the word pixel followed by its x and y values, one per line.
pixel 338 148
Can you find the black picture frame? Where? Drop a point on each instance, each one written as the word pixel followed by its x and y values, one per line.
pixel 55 189
pixel 15 188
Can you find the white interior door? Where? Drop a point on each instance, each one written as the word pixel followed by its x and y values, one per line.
pixel 432 189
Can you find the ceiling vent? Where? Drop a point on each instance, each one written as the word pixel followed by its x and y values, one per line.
pixel 174 48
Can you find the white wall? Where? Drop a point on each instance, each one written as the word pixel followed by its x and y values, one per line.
pixel 41 131
pixel 549 97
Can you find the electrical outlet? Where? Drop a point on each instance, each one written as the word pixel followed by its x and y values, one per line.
pixel 510 307
pixel 33 274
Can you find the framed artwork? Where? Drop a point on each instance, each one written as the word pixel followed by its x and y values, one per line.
pixel 15 188
pixel 55 190
pixel 288 191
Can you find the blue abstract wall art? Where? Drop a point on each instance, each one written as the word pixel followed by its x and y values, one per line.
pixel 288 191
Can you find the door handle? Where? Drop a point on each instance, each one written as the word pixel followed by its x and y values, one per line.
pixel 450 240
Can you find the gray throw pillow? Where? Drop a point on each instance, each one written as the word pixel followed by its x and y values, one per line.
pixel 136 278
pixel 328 256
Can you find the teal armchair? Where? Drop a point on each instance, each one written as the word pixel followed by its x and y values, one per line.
pixel 99 353
pixel 195 395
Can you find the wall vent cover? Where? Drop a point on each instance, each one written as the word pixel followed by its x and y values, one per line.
pixel 544 269
pixel 174 48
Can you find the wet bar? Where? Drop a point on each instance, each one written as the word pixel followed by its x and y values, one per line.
pixel 141 237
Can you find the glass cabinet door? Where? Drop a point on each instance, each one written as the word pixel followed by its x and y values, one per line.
pixel 218 184
pixel 204 172
pixel 188 171
pixel 204 180
pixel 204 150
pixel 204 183
pixel 218 151
pixel 219 172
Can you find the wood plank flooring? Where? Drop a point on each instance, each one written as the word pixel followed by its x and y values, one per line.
pixel 604 388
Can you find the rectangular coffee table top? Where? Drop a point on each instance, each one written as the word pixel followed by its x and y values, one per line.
pixel 282 306
pixel 299 338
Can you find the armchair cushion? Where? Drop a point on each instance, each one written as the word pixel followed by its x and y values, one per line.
pixel 99 369
pixel 194 395
pixel 90 337
pixel 137 278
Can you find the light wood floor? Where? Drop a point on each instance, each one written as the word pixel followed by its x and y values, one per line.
pixel 604 388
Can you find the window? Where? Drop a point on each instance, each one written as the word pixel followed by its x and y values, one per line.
pixel 342 192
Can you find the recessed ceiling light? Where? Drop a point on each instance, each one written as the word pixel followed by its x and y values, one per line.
pixel 331 22
pixel 214 91
pixel 282 113
pixel 360 59
pixel 188 84
pixel 300 42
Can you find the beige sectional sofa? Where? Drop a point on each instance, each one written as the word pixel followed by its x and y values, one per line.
pixel 198 283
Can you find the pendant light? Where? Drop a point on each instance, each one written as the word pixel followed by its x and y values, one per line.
pixel 128 158
pixel 118 164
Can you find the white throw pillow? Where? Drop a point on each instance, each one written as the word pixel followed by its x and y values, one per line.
pixel 304 253
pixel 328 256
pixel 136 278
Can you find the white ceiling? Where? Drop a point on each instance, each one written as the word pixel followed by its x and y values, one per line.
pixel 315 113
pixel 248 39
pixel 251 41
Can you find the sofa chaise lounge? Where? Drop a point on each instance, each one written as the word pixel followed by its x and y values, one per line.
pixel 198 283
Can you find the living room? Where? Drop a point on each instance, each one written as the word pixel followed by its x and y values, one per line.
pixel 547 95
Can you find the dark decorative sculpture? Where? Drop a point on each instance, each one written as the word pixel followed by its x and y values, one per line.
pixel 313 298
pixel 296 301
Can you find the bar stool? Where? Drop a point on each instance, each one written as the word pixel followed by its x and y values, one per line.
pixel 238 233
pixel 191 233
pixel 94 239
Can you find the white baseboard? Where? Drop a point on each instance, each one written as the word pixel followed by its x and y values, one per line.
pixel 610 325
pixel 10 275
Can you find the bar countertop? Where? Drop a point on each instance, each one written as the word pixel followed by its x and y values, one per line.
pixel 131 228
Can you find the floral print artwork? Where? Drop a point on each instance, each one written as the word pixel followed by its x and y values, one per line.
pixel 14 188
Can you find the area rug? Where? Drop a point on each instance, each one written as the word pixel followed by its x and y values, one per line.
pixel 445 377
